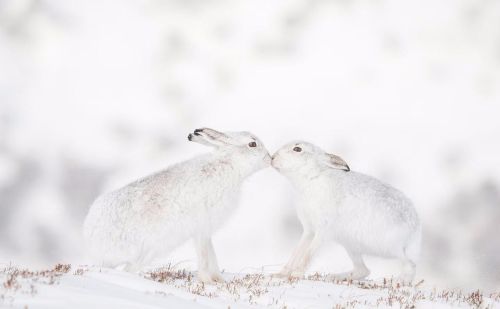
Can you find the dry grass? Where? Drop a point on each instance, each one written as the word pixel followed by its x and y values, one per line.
pixel 252 287
pixel 408 295
pixel 249 286
pixel 25 280
pixel 49 276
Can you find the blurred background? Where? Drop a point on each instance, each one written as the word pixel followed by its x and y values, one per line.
pixel 94 94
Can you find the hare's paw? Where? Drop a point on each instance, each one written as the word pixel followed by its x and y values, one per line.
pixel 204 277
pixel 284 273
pixel 342 276
pixel 217 277
pixel 287 274
pixel 356 274
pixel 404 279
pixel 298 273
pixel 210 278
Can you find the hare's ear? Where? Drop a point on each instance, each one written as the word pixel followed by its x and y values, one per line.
pixel 336 162
pixel 209 137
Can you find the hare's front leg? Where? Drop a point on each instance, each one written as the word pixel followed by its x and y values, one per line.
pixel 304 243
pixel 305 253
pixel 305 258
pixel 208 270
pixel 213 266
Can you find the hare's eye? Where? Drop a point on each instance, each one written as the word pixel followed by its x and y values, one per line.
pixel 297 149
pixel 252 144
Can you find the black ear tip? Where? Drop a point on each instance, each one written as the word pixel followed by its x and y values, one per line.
pixel 198 130
pixel 347 168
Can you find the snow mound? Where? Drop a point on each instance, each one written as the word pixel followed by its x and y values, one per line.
pixel 65 286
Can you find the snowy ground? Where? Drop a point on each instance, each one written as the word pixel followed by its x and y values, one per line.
pixel 67 286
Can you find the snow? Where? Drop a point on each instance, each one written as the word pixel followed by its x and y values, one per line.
pixel 170 287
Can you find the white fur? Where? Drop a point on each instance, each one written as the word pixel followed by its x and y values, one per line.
pixel 151 216
pixel 361 213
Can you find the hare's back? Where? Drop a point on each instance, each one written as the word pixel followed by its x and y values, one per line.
pixel 379 200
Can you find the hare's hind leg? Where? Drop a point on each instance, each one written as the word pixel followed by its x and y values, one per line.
pixel 408 270
pixel 410 257
pixel 208 270
pixel 143 257
pixel 138 264
pixel 360 271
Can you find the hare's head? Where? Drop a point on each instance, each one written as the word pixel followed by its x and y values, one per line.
pixel 306 159
pixel 247 150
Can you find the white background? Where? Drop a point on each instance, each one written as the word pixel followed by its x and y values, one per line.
pixel 94 94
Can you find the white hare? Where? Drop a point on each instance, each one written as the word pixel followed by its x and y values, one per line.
pixel 361 213
pixel 151 216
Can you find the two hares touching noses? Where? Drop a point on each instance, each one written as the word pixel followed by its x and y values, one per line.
pixel 191 200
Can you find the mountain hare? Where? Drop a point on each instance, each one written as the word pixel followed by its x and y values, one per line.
pixel 361 213
pixel 191 199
